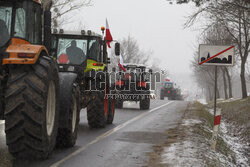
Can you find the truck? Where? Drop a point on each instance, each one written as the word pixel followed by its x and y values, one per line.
pixel 133 85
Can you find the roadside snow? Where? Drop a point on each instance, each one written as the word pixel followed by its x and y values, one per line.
pixel 190 122
pixel 202 101
pixel 235 145
pixel 195 150
pixel 181 154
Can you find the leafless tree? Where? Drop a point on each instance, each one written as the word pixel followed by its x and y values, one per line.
pixel 132 53
pixel 60 8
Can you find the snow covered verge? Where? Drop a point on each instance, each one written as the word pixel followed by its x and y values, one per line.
pixel 189 143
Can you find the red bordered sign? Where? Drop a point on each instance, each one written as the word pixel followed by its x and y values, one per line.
pixel 216 55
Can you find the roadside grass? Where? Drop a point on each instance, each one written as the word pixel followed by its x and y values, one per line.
pixel 205 131
pixel 237 113
pixel 199 136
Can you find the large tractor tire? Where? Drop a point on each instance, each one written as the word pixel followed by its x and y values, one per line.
pixel 31 117
pixel 97 109
pixel 162 97
pixel 145 104
pixel 111 108
pixel 67 136
pixel 119 104
pixel 111 111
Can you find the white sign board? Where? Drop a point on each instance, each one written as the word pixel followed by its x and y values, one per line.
pixel 216 55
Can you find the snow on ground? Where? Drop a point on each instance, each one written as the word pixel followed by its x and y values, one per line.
pixel 235 145
pixel 181 154
pixel 189 122
pixel 195 150
pixel 202 101
pixel 2 122
pixel 227 100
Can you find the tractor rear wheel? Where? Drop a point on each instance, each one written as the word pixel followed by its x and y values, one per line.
pixel 162 97
pixel 67 136
pixel 145 104
pixel 119 104
pixel 31 116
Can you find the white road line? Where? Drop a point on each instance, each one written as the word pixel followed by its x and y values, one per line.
pixel 2 122
pixel 108 133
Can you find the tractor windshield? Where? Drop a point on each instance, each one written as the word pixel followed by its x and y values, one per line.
pixel 71 51
pixel 5 24
pixel 168 85
pixel 20 19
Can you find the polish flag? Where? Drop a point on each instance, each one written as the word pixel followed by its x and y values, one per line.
pixel 109 37
pixel 167 79
pixel 120 63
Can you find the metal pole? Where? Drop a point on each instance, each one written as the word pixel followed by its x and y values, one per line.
pixel 216 127
pixel 215 89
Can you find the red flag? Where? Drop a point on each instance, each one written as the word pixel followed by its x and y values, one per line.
pixel 167 79
pixel 109 37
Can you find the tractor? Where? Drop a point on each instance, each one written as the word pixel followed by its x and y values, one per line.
pixel 133 85
pixel 29 79
pixel 170 90
pixel 83 64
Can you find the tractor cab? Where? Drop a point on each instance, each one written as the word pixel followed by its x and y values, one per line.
pixel 21 29
pixel 20 19
pixel 78 52
pixel 168 85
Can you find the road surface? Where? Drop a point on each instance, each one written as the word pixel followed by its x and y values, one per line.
pixel 124 143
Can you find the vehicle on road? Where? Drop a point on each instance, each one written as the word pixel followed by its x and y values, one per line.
pixel 132 85
pixel 83 65
pixel 29 79
pixel 170 91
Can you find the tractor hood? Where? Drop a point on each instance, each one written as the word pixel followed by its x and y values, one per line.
pixel 4 34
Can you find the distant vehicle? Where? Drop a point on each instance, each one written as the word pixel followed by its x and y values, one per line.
pixel 132 86
pixel 169 90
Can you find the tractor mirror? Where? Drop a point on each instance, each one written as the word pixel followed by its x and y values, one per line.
pixel 117 49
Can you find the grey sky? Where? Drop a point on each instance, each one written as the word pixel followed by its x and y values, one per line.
pixel 157 26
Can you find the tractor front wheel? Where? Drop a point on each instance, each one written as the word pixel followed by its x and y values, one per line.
pixel 67 136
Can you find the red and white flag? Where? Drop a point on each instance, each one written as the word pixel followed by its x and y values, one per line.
pixel 109 37
pixel 167 79
pixel 120 63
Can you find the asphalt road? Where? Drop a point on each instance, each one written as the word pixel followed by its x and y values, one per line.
pixel 125 143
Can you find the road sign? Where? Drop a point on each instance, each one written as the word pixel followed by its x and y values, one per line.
pixel 216 55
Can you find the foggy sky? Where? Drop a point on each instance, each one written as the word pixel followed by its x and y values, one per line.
pixel 157 26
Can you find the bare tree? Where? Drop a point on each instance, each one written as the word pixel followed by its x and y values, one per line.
pixel 60 8
pixel 234 17
pixel 132 53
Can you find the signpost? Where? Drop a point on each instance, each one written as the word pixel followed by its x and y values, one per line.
pixel 216 55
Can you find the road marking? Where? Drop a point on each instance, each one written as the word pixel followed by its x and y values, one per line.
pixel 106 134
pixel 2 122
